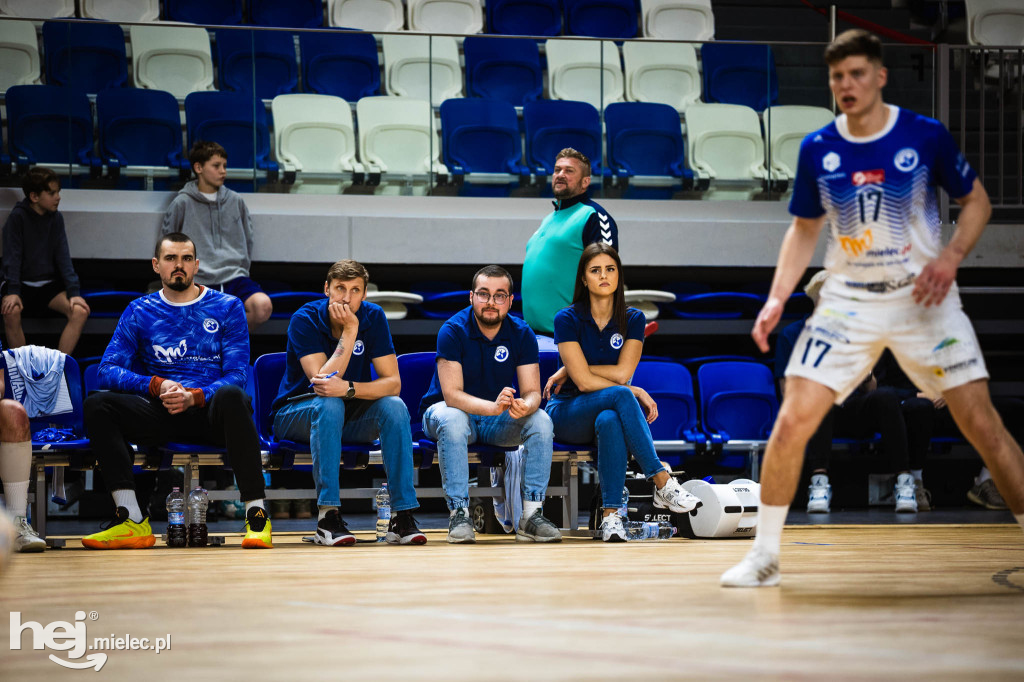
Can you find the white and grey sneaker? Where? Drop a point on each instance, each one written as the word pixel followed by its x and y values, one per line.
pixel 819 495
pixel 537 528
pixel 673 497
pixel 612 529
pixel 460 528
pixel 758 569
pixel 28 539
pixel 905 495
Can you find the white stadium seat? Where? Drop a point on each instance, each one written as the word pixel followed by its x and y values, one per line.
pixel 19 54
pixel 121 10
pixel 678 19
pixel 446 16
pixel 398 135
pixel 995 22
pixel 172 57
pixel 725 145
pixel 665 73
pixel 576 70
pixel 38 9
pixel 367 15
pixel 313 134
pixel 410 61
pixel 785 128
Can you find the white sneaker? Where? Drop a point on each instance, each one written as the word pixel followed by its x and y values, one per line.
pixel 905 494
pixel 758 569
pixel 819 495
pixel 612 529
pixel 671 496
pixel 28 539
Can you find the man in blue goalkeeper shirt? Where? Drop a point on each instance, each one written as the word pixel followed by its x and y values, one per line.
pixel 872 175
pixel 176 369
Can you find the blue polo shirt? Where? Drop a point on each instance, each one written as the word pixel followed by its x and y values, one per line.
pixel 600 346
pixel 309 332
pixel 488 365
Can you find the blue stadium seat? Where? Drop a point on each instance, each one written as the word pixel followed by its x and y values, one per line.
pixel 276 71
pixel 737 400
pixel 341 64
pixel 646 139
pixel 671 386
pixel 503 68
pixel 552 125
pixel 49 124
pixel 108 303
pixel 140 128
pixel 482 136
pixel 601 18
pixel 209 12
pixel 268 371
pixel 230 119
pixel 291 14
pixel 740 74
pixel 718 305
pixel 287 302
pixel 524 17
pixel 416 370
pixel 87 56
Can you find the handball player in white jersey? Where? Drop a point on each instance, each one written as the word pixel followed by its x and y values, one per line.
pixel 872 176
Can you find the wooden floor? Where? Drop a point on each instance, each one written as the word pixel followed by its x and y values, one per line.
pixel 856 602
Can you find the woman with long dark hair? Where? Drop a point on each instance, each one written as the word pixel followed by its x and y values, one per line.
pixel 600 341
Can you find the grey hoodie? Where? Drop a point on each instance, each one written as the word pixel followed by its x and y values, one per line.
pixel 222 232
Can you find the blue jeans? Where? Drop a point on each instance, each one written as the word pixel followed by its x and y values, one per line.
pixel 454 430
pixel 612 417
pixel 322 423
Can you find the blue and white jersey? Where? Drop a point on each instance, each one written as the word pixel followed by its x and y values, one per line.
pixel 201 344
pixel 878 193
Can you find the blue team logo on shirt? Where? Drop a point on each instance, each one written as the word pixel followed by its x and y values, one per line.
pixel 358 348
pixel 616 341
pixel 906 159
pixel 210 325
pixel 501 354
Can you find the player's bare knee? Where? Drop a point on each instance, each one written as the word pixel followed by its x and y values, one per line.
pixel 792 428
pixel 12 318
pixel 14 424
pixel 258 308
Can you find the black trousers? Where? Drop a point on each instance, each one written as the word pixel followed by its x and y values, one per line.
pixel 905 427
pixel 115 420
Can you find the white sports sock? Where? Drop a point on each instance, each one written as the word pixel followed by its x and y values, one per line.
pixel 17 497
pixel 452 512
pixel 127 499
pixel 15 461
pixel 983 476
pixel 770 520
pixel 254 503
pixel 529 507
pixel 322 514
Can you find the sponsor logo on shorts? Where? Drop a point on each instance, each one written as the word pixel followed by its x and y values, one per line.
pixel 817 331
pixel 501 354
pixel 616 341
pixel 210 325
pixel 358 348
pixel 868 177
pixel 830 162
pixel 856 246
pixel 937 371
pixel 945 343
pixel 956 367
pixel 906 159
pixel 839 314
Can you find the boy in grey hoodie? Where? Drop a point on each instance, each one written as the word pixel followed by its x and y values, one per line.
pixel 217 220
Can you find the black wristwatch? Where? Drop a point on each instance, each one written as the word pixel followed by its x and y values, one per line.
pixel 351 392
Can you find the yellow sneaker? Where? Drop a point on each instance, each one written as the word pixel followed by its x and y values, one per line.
pixel 122 533
pixel 257 529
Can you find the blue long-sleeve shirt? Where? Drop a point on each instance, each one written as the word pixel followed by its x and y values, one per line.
pixel 202 344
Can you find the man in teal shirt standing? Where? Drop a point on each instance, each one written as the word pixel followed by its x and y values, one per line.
pixel 554 250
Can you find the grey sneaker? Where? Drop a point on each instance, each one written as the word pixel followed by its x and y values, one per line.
pixel 923 495
pixel 460 528
pixel 537 528
pixel 28 539
pixel 987 495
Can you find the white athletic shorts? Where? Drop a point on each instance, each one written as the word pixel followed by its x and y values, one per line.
pixel 843 339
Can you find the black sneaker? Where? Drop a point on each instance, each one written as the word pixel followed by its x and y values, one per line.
pixel 403 531
pixel 332 531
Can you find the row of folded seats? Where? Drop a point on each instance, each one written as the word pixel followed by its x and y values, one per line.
pixel 313 138
pixel 91 57
pixel 670 19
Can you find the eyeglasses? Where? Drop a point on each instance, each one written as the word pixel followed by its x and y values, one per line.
pixel 485 297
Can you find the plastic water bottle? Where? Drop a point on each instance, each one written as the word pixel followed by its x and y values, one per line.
pixel 624 507
pixel 176 536
pixel 649 530
pixel 383 500
pixel 198 502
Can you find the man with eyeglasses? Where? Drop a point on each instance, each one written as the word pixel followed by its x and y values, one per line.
pixel 481 354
